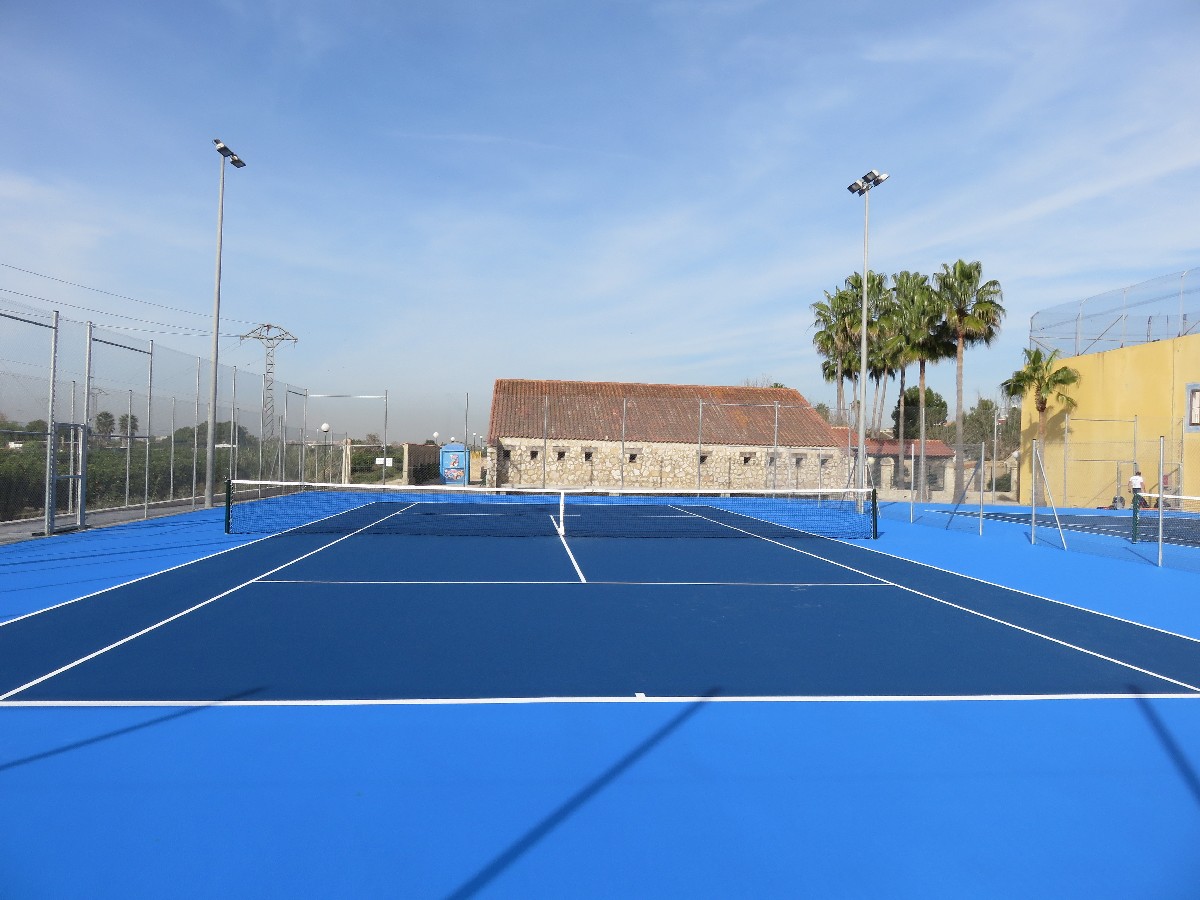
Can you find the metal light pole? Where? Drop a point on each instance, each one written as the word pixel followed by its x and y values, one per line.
pixel 211 439
pixel 328 473
pixel 862 188
pixel 997 421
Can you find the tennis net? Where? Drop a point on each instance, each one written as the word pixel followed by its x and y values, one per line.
pixel 263 507
pixel 1168 519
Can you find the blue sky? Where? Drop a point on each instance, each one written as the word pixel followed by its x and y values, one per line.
pixel 441 194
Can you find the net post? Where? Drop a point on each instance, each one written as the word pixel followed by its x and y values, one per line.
pixel 874 514
pixel 562 512
pixel 1136 517
pixel 228 505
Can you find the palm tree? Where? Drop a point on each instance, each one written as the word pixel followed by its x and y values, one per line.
pixel 105 424
pixel 1046 381
pixel 920 336
pixel 973 312
pixel 878 299
pixel 836 340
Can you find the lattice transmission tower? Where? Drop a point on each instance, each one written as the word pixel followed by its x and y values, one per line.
pixel 271 337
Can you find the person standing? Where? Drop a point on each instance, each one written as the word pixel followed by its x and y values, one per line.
pixel 1136 485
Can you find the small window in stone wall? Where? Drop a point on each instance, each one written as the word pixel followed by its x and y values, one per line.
pixel 507 454
pixel 703 458
pixel 561 455
pixel 533 454
pixel 633 457
pixel 587 455
pixel 798 461
pixel 746 457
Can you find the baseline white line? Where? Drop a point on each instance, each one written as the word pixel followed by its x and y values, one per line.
pixel 965 609
pixel 637 698
pixel 180 615
pixel 635 583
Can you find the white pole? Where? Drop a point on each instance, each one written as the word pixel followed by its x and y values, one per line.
pixel 1162 441
pixel 52 436
pixel 862 377
pixel 982 460
pixel 210 439
pixel 1033 468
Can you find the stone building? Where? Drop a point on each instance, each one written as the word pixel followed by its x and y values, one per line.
pixel 611 435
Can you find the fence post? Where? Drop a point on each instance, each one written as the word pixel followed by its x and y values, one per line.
pixel 52 435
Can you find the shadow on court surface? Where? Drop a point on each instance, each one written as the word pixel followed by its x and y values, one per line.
pixel 527 841
pixel 1173 750
pixel 121 732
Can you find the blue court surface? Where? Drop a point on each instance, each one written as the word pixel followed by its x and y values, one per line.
pixel 412 714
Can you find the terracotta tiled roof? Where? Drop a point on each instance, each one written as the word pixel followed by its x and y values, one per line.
pixel 934 449
pixel 655 413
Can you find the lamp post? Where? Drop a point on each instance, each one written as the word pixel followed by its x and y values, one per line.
pixel 862 188
pixel 211 440
pixel 328 453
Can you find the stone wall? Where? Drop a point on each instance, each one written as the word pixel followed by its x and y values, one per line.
pixel 530 462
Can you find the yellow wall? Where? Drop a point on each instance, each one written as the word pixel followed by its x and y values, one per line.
pixel 1125 399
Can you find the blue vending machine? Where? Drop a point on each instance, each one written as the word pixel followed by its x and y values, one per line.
pixel 455 464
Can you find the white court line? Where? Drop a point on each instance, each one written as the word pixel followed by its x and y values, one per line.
pixel 180 615
pixel 965 609
pixel 38 612
pixel 636 698
pixel 567 547
pixel 832 584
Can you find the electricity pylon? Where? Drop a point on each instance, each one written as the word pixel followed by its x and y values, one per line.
pixel 271 337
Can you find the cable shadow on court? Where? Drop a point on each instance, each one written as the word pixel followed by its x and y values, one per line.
pixel 121 732
pixel 1173 750
pixel 481 879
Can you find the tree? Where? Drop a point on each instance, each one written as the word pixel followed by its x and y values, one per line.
pixel 879 300
pixel 1045 379
pixel 822 410
pixel 836 339
pixel 105 424
pixel 934 408
pixel 920 335
pixel 128 425
pixel 973 312
pixel 762 381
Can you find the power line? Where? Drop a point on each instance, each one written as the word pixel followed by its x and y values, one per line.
pixel 86 287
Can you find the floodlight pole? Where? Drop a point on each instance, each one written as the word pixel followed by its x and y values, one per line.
pixel 211 438
pixel 862 188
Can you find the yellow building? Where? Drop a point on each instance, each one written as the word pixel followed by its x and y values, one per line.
pixel 1127 399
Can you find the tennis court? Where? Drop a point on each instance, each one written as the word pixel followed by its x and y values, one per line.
pixel 726 699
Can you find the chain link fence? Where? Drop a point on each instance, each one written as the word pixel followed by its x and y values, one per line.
pixel 1159 309
pixel 96 420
